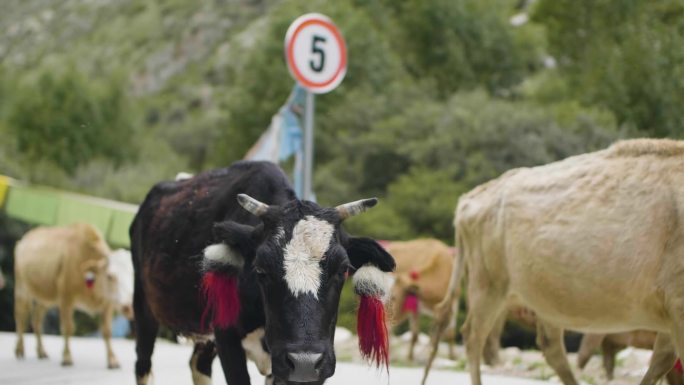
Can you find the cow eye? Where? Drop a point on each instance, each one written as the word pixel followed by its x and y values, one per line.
pixel 261 273
pixel 343 271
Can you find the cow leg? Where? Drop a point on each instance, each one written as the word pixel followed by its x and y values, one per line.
pixel 550 341
pixel 662 360
pixel 37 323
pixel 107 316
pixel 257 351
pixel 232 356
pixel 21 313
pixel 66 323
pixel 450 335
pixel 674 377
pixel 200 362
pixel 146 328
pixel 589 344
pixel 609 352
pixel 415 329
pixel 483 310
pixel 493 343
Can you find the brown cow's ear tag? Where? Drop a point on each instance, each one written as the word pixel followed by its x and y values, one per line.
pixel 89 279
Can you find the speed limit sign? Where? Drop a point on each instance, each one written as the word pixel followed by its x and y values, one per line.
pixel 316 53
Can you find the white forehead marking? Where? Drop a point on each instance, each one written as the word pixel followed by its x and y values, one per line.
pixel 302 255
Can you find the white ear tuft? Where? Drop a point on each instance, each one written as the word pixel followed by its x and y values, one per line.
pixel 371 281
pixel 222 254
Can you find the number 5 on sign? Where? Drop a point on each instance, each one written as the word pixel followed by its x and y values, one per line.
pixel 316 48
pixel 316 53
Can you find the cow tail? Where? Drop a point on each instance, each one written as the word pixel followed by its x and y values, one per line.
pixel 447 310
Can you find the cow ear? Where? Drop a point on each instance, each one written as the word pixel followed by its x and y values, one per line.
pixel 221 265
pixel 372 283
pixel 241 238
pixel 363 251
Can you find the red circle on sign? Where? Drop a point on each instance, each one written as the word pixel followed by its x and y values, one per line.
pixel 301 23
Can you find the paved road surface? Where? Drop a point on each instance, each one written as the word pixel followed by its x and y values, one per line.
pixel 170 366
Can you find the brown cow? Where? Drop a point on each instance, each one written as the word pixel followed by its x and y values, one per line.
pixel 611 344
pixel 69 267
pixel 421 279
pixel 593 243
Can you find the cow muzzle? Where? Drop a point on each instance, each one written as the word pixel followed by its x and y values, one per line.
pixel 304 367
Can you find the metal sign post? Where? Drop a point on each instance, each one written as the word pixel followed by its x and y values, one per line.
pixel 316 56
pixel 308 145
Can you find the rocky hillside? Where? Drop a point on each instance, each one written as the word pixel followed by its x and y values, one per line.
pixel 153 41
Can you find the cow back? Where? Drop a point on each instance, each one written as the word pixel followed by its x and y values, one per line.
pixel 430 261
pixel 575 238
pixel 175 223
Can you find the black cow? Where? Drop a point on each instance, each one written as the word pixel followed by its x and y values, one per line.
pixel 215 263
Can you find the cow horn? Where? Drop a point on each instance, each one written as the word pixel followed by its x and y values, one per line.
pixel 352 208
pixel 252 205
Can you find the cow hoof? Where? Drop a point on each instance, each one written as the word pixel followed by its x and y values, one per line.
pixel 42 356
pixel 19 350
pixel 68 362
pixel 113 365
pixel 143 380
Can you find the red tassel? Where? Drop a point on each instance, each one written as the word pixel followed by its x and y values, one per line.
pixel 410 304
pixel 678 366
pixel 222 301
pixel 372 330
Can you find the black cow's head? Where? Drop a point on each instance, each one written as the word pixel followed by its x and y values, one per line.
pixel 301 257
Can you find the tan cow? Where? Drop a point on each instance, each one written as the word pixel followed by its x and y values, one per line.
pixel 593 243
pixel 68 267
pixel 423 271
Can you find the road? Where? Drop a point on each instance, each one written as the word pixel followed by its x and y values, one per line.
pixel 170 367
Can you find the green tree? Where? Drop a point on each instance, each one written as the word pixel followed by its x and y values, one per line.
pixel 61 116
pixel 624 55
pixel 461 44
pixel 448 149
